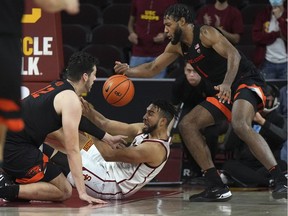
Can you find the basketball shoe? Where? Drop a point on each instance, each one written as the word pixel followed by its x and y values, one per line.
pixel 213 194
pixel 6 187
pixel 280 191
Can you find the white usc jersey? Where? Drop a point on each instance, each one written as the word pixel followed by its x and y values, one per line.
pixel 116 180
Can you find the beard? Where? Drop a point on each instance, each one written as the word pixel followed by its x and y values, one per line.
pixel 177 36
pixel 149 129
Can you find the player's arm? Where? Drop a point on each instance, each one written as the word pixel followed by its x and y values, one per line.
pixel 111 126
pixel 52 6
pixel 232 37
pixel 211 38
pixel 68 105
pixel 150 69
pixel 153 153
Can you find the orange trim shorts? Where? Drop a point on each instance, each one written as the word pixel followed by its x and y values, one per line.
pixel 253 94
pixel 26 163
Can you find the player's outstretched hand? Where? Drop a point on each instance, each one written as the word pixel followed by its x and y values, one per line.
pixel 224 94
pixel 91 200
pixel 121 68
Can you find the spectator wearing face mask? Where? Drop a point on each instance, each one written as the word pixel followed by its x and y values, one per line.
pixel 245 169
pixel 270 36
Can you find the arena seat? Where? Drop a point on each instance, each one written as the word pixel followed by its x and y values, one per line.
pixel 121 1
pixel 89 16
pixel 259 2
pixel 103 72
pixel 235 3
pixel 247 50
pixel 99 3
pixel 250 12
pixel 67 52
pixel 246 37
pixel 106 54
pixel 115 34
pixel 76 35
pixel 116 14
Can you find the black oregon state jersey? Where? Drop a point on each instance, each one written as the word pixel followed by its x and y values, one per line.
pixel 11 12
pixel 209 64
pixel 39 114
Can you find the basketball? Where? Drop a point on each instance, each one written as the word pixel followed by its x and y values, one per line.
pixel 118 90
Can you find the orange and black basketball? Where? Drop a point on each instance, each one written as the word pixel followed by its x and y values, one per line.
pixel 118 90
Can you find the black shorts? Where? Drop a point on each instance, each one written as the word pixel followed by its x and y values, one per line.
pixel 10 82
pixel 27 164
pixel 252 93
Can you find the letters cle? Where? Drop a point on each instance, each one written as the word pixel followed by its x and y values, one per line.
pixel 33 48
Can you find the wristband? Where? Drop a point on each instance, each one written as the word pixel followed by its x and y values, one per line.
pixel 87 126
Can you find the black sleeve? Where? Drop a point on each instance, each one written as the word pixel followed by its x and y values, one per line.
pixel 87 126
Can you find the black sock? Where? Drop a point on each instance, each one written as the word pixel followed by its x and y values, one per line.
pixel 213 177
pixel 9 192
pixel 1 164
pixel 277 175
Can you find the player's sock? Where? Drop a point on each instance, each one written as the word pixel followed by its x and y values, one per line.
pixel 9 192
pixel 277 174
pixel 213 177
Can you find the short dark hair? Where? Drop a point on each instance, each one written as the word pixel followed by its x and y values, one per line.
pixel 177 11
pixel 166 108
pixel 80 63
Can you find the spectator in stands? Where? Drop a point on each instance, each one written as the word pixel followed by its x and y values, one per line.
pixel 245 169
pixel 270 36
pixel 190 90
pixel 224 17
pixel 147 31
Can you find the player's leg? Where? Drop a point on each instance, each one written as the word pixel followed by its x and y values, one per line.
pixel 58 189
pixel 36 178
pixel 243 112
pixel 190 127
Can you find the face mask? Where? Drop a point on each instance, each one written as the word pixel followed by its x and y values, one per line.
pixel 275 3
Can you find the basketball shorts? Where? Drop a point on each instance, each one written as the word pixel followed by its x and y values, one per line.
pixel 252 93
pixel 10 82
pixel 27 164
pixel 98 174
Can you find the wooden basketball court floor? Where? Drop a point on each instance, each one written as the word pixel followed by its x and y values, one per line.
pixel 158 200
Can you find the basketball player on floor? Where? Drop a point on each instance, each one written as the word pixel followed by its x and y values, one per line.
pixel 44 111
pixel 120 172
pixel 240 96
